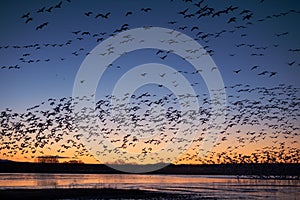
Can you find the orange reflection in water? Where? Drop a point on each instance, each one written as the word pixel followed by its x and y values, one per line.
pixel 227 187
pixel 36 180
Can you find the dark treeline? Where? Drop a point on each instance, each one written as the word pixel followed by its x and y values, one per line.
pixel 279 170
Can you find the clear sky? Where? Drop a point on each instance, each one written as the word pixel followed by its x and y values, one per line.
pixel 255 46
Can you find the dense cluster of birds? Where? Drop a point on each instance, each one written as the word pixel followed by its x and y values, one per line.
pixel 268 122
pixel 262 123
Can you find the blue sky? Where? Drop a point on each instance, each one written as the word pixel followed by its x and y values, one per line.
pixel 35 82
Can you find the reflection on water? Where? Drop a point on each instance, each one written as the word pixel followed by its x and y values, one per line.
pixel 208 186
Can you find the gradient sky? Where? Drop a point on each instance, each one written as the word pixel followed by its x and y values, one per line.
pixel 272 31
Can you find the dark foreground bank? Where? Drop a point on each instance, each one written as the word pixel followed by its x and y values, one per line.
pixel 263 170
pixel 83 193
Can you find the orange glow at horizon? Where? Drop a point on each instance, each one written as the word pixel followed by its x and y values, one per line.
pixel 227 143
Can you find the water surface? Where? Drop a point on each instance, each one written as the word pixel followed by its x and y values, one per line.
pixel 220 187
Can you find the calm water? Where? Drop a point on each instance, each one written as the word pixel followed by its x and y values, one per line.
pixel 220 187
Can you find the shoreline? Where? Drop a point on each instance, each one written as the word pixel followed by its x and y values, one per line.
pixel 87 193
pixel 279 170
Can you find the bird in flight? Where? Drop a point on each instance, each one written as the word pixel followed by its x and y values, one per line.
pixel 88 13
pixel 254 67
pixel 146 9
pixel 41 10
pixel 41 26
pixel 26 15
pixel 104 16
pixel 232 19
pixel 28 20
pixel 291 63
pixel 58 5
pixel 128 13
pixel 272 74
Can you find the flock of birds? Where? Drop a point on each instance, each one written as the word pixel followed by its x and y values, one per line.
pixel 239 21
pixel 263 118
pixel 268 122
